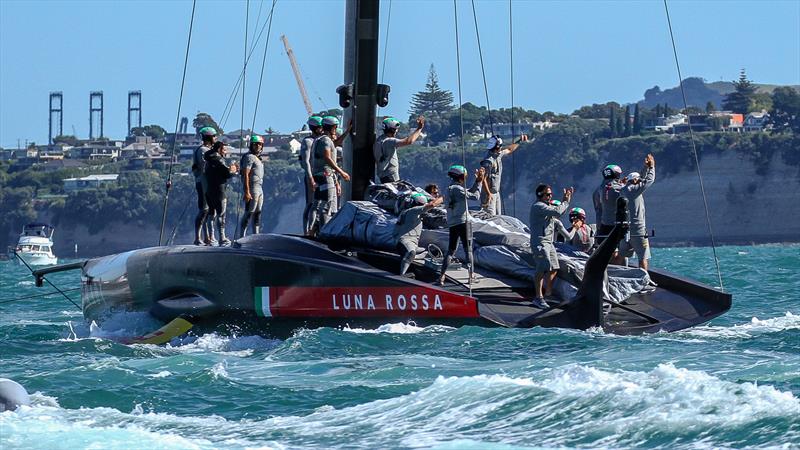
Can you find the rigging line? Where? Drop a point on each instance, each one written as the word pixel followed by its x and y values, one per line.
pixel 231 98
pixel 241 122
pixel 513 131
pixel 180 218
pixel 386 40
pixel 483 70
pixel 48 281
pixel 263 63
pixel 461 119
pixel 177 122
pixel 694 150
pixel 26 297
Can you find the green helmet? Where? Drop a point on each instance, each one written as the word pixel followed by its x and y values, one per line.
pixel 314 121
pixel 208 131
pixel 256 139
pixel 555 202
pixel 419 198
pixel 390 123
pixel 456 171
pixel 330 121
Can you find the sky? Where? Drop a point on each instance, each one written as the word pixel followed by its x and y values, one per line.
pixel 566 54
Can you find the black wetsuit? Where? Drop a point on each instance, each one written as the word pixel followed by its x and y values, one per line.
pixel 218 172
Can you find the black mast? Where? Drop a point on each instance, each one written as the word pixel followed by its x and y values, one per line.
pixel 361 91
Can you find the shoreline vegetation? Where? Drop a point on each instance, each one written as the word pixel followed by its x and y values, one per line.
pixel 571 150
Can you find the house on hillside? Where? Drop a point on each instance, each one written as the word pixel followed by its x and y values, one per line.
pixel 143 147
pixel 183 140
pixel 58 164
pixel 507 130
pixel 756 121
pixel 96 151
pixel 90 182
pixel 665 124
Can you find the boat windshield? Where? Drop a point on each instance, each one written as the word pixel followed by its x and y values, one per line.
pixel 25 248
pixel 35 248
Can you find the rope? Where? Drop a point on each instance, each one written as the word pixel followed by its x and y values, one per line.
pixel 180 218
pixel 386 40
pixel 483 70
pixel 513 130
pixel 177 122
pixel 461 119
pixel 226 112
pixel 37 295
pixel 694 150
pixel 241 123
pixel 48 281
pixel 263 63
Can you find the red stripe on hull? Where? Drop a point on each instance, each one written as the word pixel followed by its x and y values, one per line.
pixel 407 301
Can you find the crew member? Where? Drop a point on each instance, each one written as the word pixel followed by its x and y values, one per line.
pixel 324 170
pixel 306 146
pixel 433 189
pixel 385 148
pixel 252 178
pixel 408 228
pixel 203 234
pixel 542 218
pixel 217 174
pixel 457 216
pixel 605 201
pixel 493 165
pixel 582 235
pixel 633 190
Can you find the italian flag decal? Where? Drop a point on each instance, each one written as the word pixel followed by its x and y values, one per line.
pixel 262 302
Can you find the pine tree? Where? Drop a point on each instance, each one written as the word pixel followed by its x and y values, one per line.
pixel 627 121
pixel 612 122
pixel 433 100
pixel 658 111
pixel 710 107
pixel 637 120
pixel 619 127
pixel 741 99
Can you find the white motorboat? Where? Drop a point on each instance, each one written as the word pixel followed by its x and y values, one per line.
pixel 35 245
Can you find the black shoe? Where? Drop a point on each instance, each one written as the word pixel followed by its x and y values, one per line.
pixel 538 302
pixel 409 275
pixel 225 243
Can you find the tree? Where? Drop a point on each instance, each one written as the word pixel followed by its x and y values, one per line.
pixel 627 121
pixel 619 127
pixel 612 122
pixel 637 120
pixel 205 120
pixel 740 100
pixel 785 112
pixel 710 107
pixel 433 99
pixel 66 139
pixel 154 131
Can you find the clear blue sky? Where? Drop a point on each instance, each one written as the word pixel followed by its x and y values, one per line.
pixel 567 54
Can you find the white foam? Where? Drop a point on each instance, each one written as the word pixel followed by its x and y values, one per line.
pixel 400 328
pixel 755 327
pixel 241 346
pixel 161 374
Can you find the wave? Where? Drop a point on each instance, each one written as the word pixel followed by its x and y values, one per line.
pixel 571 406
pixel 754 328
pixel 401 328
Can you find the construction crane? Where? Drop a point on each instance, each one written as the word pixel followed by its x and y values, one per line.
pixel 297 76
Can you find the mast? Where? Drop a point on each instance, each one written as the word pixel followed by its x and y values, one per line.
pixel 361 84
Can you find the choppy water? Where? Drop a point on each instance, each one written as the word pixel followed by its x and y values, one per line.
pixel 732 383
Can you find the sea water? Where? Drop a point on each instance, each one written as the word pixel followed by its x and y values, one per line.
pixel 732 383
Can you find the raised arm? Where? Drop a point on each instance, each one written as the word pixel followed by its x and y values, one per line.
pixel 340 139
pixel 513 147
pixel 562 230
pixel 411 138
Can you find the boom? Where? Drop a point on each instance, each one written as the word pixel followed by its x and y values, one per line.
pixel 297 76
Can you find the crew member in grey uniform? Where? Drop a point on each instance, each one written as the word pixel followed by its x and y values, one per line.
pixel 252 170
pixel 202 229
pixel 408 228
pixel 217 174
pixel 633 191
pixel 306 147
pixel 493 165
pixel 324 170
pixel 605 201
pixel 385 148
pixel 457 216
pixel 542 218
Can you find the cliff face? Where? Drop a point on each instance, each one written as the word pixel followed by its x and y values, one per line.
pixel 744 206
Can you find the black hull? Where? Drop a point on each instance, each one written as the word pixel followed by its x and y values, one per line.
pixel 275 284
